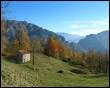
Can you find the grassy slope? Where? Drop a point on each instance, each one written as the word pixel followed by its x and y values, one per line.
pixel 45 74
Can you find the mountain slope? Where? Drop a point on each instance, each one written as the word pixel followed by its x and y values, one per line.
pixel 97 42
pixel 45 74
pixel 71 37
pixel 76 47
pixel 32 31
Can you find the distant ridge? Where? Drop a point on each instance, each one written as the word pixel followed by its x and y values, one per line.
pixel 98 42
pixel 71 37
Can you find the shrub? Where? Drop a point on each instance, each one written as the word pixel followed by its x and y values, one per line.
pixel 78 71
pixel 65 60
pixel 73 63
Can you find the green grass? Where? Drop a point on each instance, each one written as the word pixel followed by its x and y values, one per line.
pixel 45 74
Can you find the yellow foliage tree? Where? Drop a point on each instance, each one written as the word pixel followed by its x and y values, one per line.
pixel 2 36
pixel 70 54
pixel 35 47
pixel 63 51
pixel 22 40
pixel 4 5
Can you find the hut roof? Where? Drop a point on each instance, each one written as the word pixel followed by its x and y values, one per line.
pixel 24 51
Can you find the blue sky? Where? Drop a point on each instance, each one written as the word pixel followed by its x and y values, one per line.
pixel 75 17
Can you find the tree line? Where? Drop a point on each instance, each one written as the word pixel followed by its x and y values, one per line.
pixel 95 62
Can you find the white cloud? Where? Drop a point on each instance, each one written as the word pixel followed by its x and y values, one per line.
pixel 99 23
pixel 69 22
pixel 77 26
pixel 87 32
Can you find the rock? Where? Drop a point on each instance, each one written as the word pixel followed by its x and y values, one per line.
pixel 60 71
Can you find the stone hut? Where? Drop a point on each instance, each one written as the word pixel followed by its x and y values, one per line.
pixel 22 56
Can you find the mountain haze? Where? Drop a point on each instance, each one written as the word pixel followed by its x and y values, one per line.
pixel 70 37
pixel 76 47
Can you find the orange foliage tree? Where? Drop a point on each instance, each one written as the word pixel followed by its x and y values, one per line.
pixel 75 56
pixel 63 53
pixel 51 48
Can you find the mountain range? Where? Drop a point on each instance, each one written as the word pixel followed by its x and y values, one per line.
pixel 94 41
pixel 71 37
pixel 32 31
pixel 98 42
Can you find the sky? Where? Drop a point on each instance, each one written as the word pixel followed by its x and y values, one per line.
pixel 74 17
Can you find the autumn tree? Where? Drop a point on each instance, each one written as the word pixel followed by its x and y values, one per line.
pixel 63 51
pixel 12 47
pixel 51 48
pixel 75 56
pixel 97 62
pixel 21 40
pixel 2 37
pixel 4 5
pixel 102 62
pixel 42 42
pixel 58 42
pixel 83 59
pixel 70 54
pixel 91 60
pixel 106 62
pixel 35 47
pixel 78 58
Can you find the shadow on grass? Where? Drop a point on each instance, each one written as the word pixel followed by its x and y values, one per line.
pixel 96 76
pixel 29 67
pixel 12 59
pixel 78 71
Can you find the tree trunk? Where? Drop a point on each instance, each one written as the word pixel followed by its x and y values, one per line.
pixel 33 58
pixel 106 66
pixel 106 60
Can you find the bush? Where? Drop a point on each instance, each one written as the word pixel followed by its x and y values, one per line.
pixel 73 63
pixel 3 53
pixel 65 60
pixel 76 62
pixel 78 71
pixel 12 59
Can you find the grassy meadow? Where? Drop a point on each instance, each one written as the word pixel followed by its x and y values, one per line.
pixel 45 74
